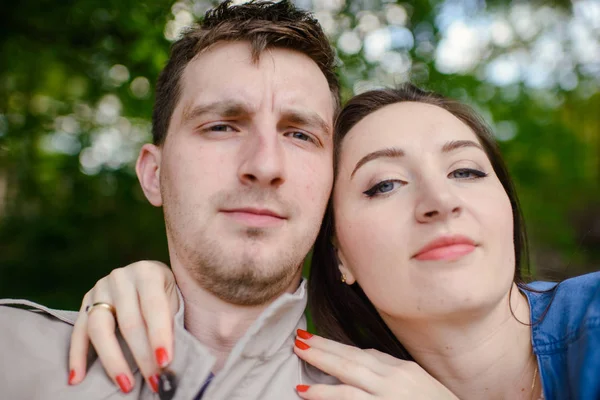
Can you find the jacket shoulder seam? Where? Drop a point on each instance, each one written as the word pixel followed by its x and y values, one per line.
pixel 28 305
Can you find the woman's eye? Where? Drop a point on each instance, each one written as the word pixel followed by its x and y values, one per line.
pixel 384 187
pixel 467 173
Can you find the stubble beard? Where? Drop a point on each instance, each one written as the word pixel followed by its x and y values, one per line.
pixel 242 279
pixel 247 276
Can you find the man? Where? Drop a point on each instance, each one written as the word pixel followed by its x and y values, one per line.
pixel 242 166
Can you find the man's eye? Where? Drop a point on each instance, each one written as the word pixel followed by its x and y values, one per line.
pixel 301 136
pixel 220 128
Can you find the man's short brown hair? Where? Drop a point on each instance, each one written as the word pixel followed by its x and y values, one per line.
pixel 263 24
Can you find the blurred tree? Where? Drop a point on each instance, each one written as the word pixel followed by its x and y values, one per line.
pixel 76 104
pixel 76 83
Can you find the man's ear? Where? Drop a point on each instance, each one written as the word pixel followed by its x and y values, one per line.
pixel 147 169
pixel 347 275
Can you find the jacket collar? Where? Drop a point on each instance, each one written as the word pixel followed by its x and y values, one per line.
pixel 270 331
pixel 272 334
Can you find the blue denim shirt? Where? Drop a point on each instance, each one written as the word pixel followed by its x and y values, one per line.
pixel 566 336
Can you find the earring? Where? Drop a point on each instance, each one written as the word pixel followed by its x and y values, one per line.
pixel 343 278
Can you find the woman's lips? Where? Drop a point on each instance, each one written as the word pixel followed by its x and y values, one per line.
pixel 448 253
pixel 446 248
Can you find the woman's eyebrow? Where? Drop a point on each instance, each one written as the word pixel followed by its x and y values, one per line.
pixel 395 152
pixel 392 152
pixel 459 144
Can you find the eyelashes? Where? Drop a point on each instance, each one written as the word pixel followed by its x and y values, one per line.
pixel 472 173
pixel 384 187
pixel 390 185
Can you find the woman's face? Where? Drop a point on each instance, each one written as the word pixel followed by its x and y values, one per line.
pixel 422 222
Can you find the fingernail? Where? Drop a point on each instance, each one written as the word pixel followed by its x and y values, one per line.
pixel 301 345
pixel 153 380
pixel 124 383
pixel 72 377
pixel 161 357
pixel 303 334
pixel 302 388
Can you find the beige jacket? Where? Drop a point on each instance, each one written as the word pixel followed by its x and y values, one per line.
pixel 34 347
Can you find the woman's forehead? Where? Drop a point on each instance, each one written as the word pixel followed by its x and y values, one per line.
pixel 406 125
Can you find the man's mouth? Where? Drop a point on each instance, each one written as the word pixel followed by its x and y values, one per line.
pixel 255 217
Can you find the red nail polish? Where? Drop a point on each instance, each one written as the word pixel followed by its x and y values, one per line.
pixel 302 388
pixel 71 377
pixel 124 383
pixel 161 357
pixel 153 380
pixel 303 334
pixel 301 345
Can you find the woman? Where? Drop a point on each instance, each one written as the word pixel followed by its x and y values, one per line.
pixel 420 258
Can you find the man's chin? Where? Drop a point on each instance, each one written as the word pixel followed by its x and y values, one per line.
pixel 250 288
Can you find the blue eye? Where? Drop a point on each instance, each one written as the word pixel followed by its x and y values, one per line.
pixel 220 128
pixel 384 187
pixel 301 136
pixel 467 173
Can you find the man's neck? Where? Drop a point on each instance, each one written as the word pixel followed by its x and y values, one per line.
pixel 489 358
pixel 217 324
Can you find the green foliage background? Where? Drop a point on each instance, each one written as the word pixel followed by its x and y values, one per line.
pixel 74 81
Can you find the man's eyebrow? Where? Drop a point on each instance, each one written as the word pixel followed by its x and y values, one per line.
pixel 459 144
pixel 392 152
pixel 308 118
pixel 225 109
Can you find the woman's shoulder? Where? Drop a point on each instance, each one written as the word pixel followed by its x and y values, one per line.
pixel 562 312
pixel 586 284
pixel 565 335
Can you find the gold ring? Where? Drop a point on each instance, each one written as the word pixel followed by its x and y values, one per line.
pixel 109 307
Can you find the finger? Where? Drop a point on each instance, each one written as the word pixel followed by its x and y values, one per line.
pixel 132 325
pixel 332 392
pixel 346 370
pixel 385 358
pixel 101 331
pixel 79 346
pixel 155 297
pixel 352 353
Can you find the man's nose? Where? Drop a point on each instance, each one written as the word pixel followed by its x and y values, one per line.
pixel 262 160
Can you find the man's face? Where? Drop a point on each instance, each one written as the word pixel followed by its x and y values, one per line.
pixel 246 170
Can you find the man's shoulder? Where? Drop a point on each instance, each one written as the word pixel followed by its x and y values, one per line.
pixel 29 327
pixel 19 311
pixel 34 346
pixel 35 350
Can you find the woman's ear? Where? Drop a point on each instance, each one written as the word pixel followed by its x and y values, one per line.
pixel 148 172
pixel 347 275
